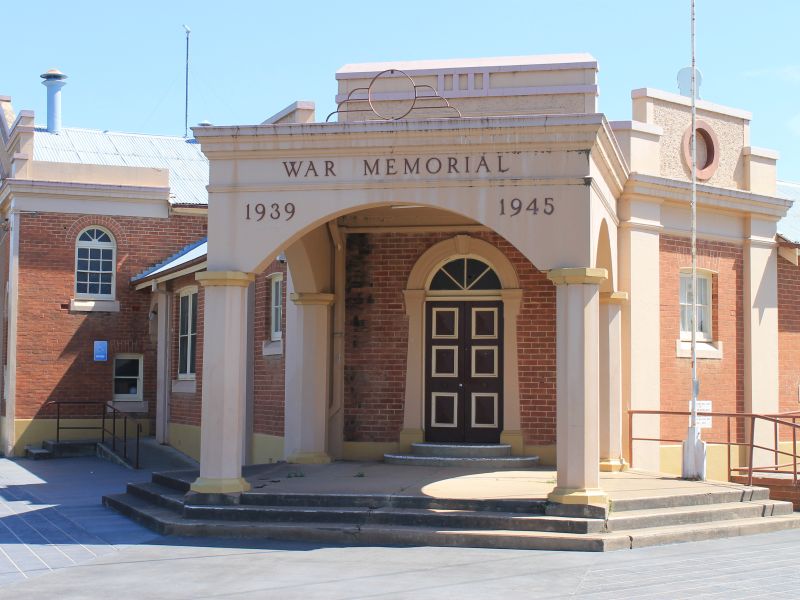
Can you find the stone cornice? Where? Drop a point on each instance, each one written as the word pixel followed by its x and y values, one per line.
pixel 662 189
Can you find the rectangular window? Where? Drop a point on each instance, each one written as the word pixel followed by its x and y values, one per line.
pixel 703 322
pixel 187 335
pixel 128 377
pixel 276 306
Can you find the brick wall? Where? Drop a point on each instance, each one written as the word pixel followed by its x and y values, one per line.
pixel 268 376
pixel 54 345
pixel 376 336
pixel 788 335
pixel 721 381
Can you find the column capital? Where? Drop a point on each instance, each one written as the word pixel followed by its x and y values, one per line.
pixel 225 278
pixel 303 298
pixel 574 275
pixel 613 297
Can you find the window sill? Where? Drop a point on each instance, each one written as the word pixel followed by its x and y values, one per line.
pixel 272 348
pixel 130 406
pixel 87 305
pixel 705 350
pixel 184 386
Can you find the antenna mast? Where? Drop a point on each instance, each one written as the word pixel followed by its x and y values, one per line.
pixel 186 104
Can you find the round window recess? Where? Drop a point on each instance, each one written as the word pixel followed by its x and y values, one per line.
pixel 707 150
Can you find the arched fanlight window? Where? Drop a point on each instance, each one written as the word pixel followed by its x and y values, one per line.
pixel 95 264
pixel 465 274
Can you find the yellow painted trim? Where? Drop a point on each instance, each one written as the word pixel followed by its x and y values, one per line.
pixel 671 457
pixel 593 497
pixel 266 448
pixel 311 298
pixel 407 437
pixel 309 458
pixel 185 438
pixel 613 465
pixel 515 440
pixel 613 297
pixel 206 485
pixel 222 278
pixel 371 450
pixel 577 275
pixel 546 454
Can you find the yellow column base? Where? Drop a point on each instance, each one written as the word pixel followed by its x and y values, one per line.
pixel 309 458
pixel 408 437
pixel 513 439
pixel 593 497
pixel 207 485
pixel 609 465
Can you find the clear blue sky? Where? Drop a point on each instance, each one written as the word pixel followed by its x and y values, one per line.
pixel 125 60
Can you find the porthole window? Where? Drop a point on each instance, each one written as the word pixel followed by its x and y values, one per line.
pixel 465 274
pixel 95 263
pixel 707 150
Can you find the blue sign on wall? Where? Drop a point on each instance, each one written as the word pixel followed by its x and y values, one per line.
pixel 100 350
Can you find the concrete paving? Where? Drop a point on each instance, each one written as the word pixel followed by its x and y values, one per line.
pixel 58 541
pixel 459 482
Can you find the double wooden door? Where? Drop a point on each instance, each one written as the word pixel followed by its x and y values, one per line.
pixel 463 371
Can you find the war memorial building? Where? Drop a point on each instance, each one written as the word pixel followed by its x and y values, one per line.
pixel 467 251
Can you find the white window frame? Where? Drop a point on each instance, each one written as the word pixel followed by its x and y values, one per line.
pixel 187 375
pixel 275 307
pixel 96 245
pixel 704 278
pixel 140 380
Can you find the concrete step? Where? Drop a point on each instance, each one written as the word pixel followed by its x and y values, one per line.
pixel 461 450
pixel 166 522
pixel 657 536
pixel 509 462
pixel 685 515
pixel 37 453
pixel 724 495
pixel 176 480
pixel 69 448
pixel 376 501
pixel 439 519
pixel 158 495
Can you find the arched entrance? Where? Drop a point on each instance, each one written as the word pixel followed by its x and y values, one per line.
pixel 464 353
pixel 462 302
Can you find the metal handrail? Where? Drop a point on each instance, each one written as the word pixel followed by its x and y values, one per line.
pixel 108 407
pixel 777 419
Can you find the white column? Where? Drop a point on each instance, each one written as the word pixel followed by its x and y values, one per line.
pixel 308 352
pixel 639 275
pixel 577 386
pixel 224 382
pixel 413 425
pixel 761 331
pixel 611 381
pixel 162 365
pixel 512 421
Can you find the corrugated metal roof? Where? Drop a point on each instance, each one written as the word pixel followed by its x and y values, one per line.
pixel 185 255
pixel 789 226
pixel 188 167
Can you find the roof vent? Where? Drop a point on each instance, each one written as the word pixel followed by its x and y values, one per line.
pixel 53 81
pixel 204 123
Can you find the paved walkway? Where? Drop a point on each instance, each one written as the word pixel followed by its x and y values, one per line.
pixel 57 541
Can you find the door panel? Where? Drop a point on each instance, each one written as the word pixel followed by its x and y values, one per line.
pixel 463 371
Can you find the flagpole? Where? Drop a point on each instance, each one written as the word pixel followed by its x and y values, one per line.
pixel 694 453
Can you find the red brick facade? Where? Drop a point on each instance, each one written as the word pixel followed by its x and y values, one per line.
pixel 54 345
pixel 789 335
pixel 376 336
pixel 721 381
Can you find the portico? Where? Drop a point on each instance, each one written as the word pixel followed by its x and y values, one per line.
pixel 541 187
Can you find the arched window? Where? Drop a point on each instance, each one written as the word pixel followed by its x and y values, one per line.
pixel 95 264
pixel 465 274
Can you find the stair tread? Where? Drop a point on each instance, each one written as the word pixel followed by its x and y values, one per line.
pixel 729 524
pixel 693 508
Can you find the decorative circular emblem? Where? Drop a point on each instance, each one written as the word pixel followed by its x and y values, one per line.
pixel 707 150
pixel 395 82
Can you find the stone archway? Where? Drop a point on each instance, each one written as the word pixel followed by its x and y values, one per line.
pixel 415 295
